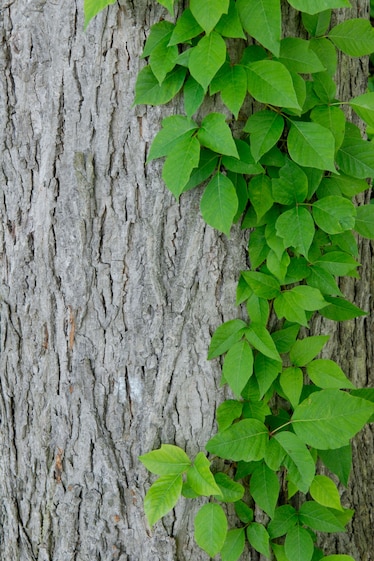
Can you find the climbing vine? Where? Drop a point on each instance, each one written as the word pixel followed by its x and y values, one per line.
pixel 289 175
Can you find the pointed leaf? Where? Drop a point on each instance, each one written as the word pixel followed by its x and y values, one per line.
pixel 311 145
pixel 168 460
pixel 169 5
pixel 185 29
pixel 315 6
pixel 341 310
pixel 149 92
pixel 292 185
pixel 264 488
pixel 200 478
pixel 328 419
pixel 263 285
pixel 266 128
pixel 298 460
pixel 260 194
pixel 355 37
pixel 162 496
pixel 230 25
pixel 334 214
pixel 180 162
pixel 363 105
pixel 296 54
pixel 227 412
pixel 207 58
pixel 193 96
pixel 259 538
pixel 260 338
pixel 210 528
pixel 317 24
pixel 284 519
pixel 230 491
pixel 364 224
pixel 326 374
pixel 324 491
pixel 270 82
pixel 225 336
pixel 238 366
pixel 245 440
pixel 319 518
pixel 215 134
pixel 174 128
pixel 209 12
pixel 304 350
pixel 296 227
pixel 266 370
pixel 234 545
pixel 231 81
pixel 219 203
pixel 291 382
pixel 298 544
pixel 93 7
pixel 333 118
pixel 338 461
pixel 262 20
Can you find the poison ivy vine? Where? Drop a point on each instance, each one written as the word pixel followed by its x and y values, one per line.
pixel 289 176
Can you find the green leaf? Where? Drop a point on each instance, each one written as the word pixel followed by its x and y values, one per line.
pixel 215 134
pixel 174 128
pixel 185 29
pixel 207 57
pixel 149 92
pixel 266 128
pixel 208 13
pixel 180 162
pixel 163 58
pixel 258 309
pixel 200 478
pixel 260 194
pixel 304 350
pixel 292 185
pixel 284 338
pixel 230 490
pixel 230 25
pixel 324 491
pixel 363 105
pixel 341 310
pixel 207 164
pixel 338 461
pixel 298 460
pixel 234 545
pixel 263 285
pixel 324 87
pixel 193 96
pixel 243 512
pixel 278 266
pixel 297 56
pixel 298 544
pixel 337 263
pixel 274 455
pixel 338 558
pixel 93 7
pixel 355 37
pixel 270 82
pixel 159 36
pixel 317 24
pixel 238 366
pixel 327 374
pixel 291 382
pixel 245 164
pixel 231 81
pixel 266 370
pixel 333 118
pixel 225 336
pixel 210 528
pixel 162 496
pixel 259 538
pixel 169 5
pixel 327 54
pixel 245 440
pixel 168 460
pixel 219 203
pixel 324 281
pixel 227 412
pixel 364 224
pixel 319 518
pixel 296 227
pixel 328 419
pixel 262 20
pixel 334 214
pixel 311 145
pixel 260 338
pixel 287 305
pixel 264 488
pixel 315 6
pixel 284 519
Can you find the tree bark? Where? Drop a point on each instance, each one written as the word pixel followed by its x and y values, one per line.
pixel 110 292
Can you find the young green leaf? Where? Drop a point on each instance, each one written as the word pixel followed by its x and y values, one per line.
pixel 185 29
pixel 262 20
pixel 230 25
pixel 298 460
pixel 355 37
pixel 245 440
pixel 364 223
pixel 296 228
pixel 324 491
pixel 238 366
pixel 317 24
pixel 225 336
pixel 260 338
pixel 341 310
pixel 207 58
pixel 234 545
pixel 263 285
pixel 271 82
pixel 264 488
pixel 311 145
pixel 328 419
pixel 297 56
pixel 215 134
pixel 298 544
pixel 265 128
pixel 210 528
pixel 168 460
pixel 319 518
pixel 174 128
pixel 227 412
pixel 93 7
pixel 169 5
pixel 148 91
pixel 285 518
pixel 219 203
pixel 180 162
pixel 208 13
pixel 230 491
pixel 259 538
pixel 315 6
pixel 304 350
pixel 291 382
pixel 162 496
pixel 326 374
pixel 200 478
pixel 363 105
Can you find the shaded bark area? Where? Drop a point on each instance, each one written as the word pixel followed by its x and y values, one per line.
pixel 110 291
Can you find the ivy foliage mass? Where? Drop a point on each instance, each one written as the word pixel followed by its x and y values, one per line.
pixel 289 175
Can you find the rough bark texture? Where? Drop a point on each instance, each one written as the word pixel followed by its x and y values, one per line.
pixel 110 291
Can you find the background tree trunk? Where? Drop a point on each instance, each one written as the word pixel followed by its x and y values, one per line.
pixel 110 291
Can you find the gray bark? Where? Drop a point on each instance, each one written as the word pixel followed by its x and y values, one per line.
pixel 110 291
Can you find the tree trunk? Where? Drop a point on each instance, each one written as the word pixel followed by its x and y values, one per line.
pixel 110 292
